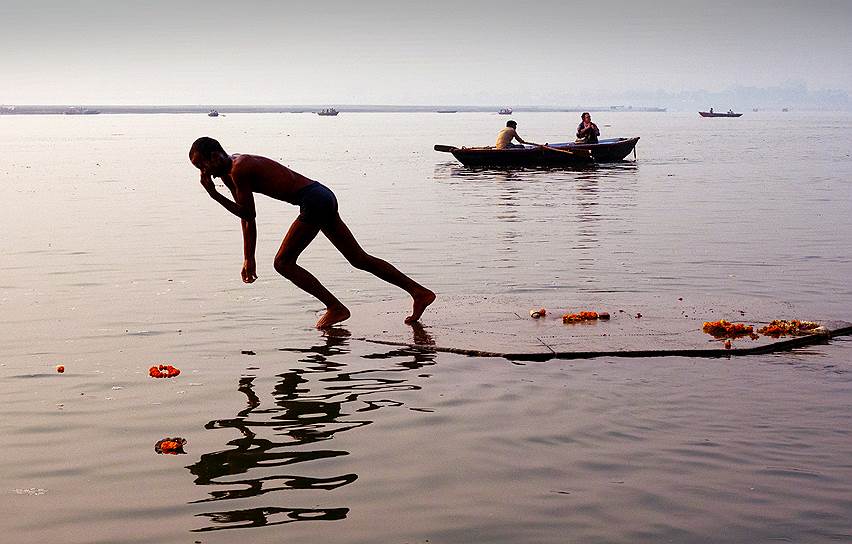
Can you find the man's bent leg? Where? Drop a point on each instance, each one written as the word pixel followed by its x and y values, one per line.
pixel 295 241
pixel 340 235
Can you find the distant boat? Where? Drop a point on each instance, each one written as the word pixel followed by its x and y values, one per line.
pixel 213 113
pixel 505 111
pixel 80 111
pixel 447 111
pixel 712 113
pixel 785 109
pixel 754 109
pixel 328 112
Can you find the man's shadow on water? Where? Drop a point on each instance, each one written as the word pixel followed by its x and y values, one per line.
pixel 311 404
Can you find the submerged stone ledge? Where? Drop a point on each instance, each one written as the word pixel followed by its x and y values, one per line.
pixel 658 326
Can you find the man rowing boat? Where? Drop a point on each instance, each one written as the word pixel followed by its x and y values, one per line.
pixel 505 136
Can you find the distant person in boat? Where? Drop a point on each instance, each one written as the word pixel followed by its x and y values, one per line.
pixel 587 132
pixel 711 110
pixel 505 136
pixel 245 175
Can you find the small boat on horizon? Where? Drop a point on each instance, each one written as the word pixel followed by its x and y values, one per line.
pixel 75 110
pixel 447 111
pixel 213 113
pixel 505 111
pixel 544 156
pixel 711 113
pixel 328 112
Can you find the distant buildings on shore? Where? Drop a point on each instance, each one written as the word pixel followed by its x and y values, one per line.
pixel 206 109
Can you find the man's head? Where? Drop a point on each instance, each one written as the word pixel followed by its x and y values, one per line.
pixel 511 124
pixel 586 117
pixel 208 156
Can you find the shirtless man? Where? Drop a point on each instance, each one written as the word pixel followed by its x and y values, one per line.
pixel 245 175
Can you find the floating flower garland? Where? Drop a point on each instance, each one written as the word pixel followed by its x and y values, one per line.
pixel 579 317
pixel 726 329
pixel 781 327
pixel 163 371
pixel 170 446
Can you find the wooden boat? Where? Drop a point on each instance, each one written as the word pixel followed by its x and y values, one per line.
pixel 718 114
pixel 213 113
pixel 549 156
pixel 505 111
pixel 328 112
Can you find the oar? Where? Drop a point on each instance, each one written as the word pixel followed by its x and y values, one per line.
pixel 445 148
pixel 587 152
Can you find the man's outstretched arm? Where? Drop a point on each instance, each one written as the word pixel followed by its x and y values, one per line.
pixel 242 207
pixel 249 272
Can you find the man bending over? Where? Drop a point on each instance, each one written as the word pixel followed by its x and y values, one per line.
pixel 245 175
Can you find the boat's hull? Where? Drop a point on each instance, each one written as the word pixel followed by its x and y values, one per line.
pixel 610 150
pixel 519 157
pixel 716 114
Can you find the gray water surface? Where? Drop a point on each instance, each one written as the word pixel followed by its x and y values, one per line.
pixel 114 259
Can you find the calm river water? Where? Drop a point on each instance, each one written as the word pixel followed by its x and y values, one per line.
pixel 114 259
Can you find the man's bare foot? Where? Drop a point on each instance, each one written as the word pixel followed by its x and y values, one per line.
pixel 422 299
pixel 332 315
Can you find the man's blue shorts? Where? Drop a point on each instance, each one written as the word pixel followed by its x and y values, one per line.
pixel 317 204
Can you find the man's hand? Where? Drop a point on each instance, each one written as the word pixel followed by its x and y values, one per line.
pixel 249 272
pixel 207 183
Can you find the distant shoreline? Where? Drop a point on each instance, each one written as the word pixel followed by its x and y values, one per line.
pixel 94 109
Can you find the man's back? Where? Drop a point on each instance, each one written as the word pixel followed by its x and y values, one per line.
pixel 267 177
pixel 504 138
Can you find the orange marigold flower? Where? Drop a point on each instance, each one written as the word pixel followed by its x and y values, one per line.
pixel 579 317
pixel 163 371
pixel 780 327
pixel 170 446
pixel 726 329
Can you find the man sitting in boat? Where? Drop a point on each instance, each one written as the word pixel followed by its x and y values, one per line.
pixel 505 137
pixel 587 132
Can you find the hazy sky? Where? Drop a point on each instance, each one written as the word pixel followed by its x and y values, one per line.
pixel 401 52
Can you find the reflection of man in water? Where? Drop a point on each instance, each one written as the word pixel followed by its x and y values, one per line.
pixel 245 175
pixel 505 136
pixel 281 445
